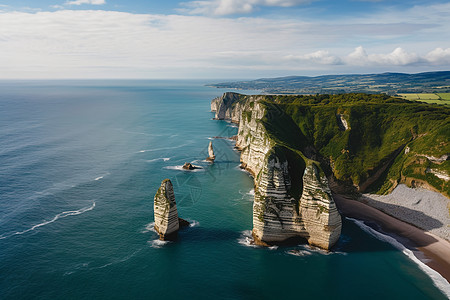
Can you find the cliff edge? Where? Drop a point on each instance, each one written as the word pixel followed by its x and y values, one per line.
pixel 297 147
pixel 292 197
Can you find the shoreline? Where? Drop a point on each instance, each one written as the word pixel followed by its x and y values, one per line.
pixel 435 251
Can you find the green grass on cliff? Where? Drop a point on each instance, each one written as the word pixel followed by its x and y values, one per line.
pixel 373 147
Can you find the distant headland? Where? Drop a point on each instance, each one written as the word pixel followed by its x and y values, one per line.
pixel 388 83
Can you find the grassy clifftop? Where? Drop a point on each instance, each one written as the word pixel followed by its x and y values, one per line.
pixel 373 142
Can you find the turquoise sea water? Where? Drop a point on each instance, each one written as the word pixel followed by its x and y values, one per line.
pixel 80 163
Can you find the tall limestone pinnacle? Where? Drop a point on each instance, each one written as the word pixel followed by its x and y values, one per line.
pixel 167 222
pixel 211 156
pixel 319 212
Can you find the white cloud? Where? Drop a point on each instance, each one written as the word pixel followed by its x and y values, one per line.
pixel 439 56
pixel 398 57
pixel 105 44
pixel 322 57
pixel 79 2
pixel 229 7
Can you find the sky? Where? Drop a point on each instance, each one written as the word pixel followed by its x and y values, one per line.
pixel 220 39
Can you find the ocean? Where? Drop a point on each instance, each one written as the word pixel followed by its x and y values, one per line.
pixel 80 163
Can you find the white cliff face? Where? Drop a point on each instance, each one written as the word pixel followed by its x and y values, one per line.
pixel 342 122
pixel 224 106
pixel 318 210
pixel 277 215
pixel 275 212
pixel 252 138
pixel 165 209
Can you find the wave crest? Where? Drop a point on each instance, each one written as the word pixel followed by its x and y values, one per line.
pixel 58 216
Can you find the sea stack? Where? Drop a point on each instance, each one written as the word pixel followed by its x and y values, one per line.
pixel 211 156
pixel 167 222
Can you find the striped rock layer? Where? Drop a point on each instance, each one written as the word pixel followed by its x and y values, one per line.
pixel 165 210
pixel 292 196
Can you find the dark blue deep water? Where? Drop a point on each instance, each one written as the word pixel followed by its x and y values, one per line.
pixel 80 163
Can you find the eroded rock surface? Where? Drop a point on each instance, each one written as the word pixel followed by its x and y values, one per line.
pixel 165 210
pixel 292 198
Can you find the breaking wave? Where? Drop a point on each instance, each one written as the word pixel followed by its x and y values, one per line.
pixel 157 159
pixel 246 239
pixel 101 177
pixel 55 218
pixel 157 243
pixel 193 223
pixel 150 227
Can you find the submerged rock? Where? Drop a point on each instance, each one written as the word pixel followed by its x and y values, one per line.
pixel 167 221
pixel 211 154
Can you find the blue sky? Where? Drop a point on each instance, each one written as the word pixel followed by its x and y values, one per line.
pixel 217 39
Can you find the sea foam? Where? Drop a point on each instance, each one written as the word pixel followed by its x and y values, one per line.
pixel 180 168
pixel 150 227
pixel 157 243
pixel 157 159
pixel 193 223
pixel 101 177
pixel 246 239
pixel 58 216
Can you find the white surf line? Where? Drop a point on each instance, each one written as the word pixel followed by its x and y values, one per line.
pixel 58 216
pixel 439 281
pixel 119 260
pixel 157 159
pixel 102 176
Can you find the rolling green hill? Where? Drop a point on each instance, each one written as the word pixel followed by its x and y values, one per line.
pixel 371 142
pixel 389 83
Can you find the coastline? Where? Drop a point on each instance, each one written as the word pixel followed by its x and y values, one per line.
pixel 435 250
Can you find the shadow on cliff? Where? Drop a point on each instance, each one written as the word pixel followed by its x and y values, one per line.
pixel 427 221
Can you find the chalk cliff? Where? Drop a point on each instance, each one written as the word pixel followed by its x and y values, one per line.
pixel 292 197
pixel 167 222
pixel 365 142
pixel 294 144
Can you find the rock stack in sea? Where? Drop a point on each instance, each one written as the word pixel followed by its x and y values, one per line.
pixel 167 222
pixel 211 156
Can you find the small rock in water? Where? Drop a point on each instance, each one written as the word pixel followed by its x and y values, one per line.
pixel 211 154
pixel 188 166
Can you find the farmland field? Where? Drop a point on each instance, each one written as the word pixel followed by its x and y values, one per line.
pixel 438 98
